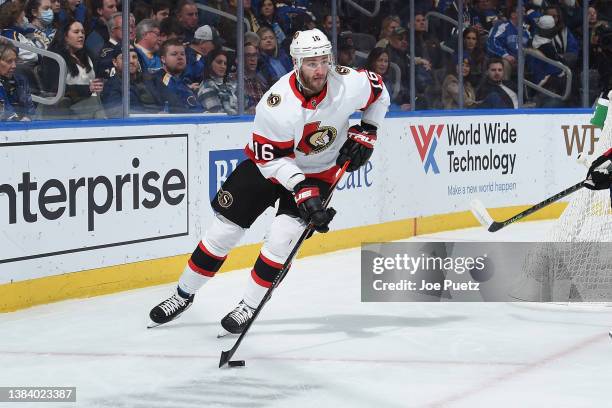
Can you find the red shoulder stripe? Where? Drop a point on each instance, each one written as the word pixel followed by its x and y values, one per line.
pixel 376 86
pixel 281 145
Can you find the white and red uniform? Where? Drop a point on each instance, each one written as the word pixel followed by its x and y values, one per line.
pixel 294 136
pixel 294 139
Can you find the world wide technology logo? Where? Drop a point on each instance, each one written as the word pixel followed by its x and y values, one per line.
pixel 426 144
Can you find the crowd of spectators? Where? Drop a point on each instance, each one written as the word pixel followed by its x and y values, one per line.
pixel 183 53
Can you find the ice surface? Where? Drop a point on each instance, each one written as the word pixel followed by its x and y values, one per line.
pixel 315 345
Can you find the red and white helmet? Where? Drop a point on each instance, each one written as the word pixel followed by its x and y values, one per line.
pixel 309 43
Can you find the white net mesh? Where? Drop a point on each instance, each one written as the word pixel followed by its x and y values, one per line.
pixel 580 270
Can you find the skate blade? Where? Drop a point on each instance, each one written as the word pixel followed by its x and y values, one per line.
pixel 224 333
pixel 152 324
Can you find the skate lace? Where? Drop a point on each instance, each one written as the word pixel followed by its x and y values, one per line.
pixel 242 313
pixel 173 304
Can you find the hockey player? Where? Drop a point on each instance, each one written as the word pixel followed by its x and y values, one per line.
pixel 599 176
pixel 300 138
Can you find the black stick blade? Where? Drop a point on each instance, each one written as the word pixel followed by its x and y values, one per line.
pixel 225 356
pixel 496 226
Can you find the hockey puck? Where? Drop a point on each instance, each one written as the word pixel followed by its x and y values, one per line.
pixel 236 363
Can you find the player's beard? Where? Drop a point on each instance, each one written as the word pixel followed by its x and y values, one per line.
pixel 314 87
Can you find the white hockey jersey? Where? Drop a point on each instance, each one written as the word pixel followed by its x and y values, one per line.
pixel 295 136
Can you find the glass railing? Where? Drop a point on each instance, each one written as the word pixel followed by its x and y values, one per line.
pixel 207 63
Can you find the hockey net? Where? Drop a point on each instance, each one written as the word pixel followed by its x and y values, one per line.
pixel 573 266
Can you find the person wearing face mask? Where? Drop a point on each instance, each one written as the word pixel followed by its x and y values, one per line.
pixel 15 98
pixel 13 25
pixel 41 17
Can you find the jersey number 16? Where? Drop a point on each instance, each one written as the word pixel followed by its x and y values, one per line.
pixel 263 151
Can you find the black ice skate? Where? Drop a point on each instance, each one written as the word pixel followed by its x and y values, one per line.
pixel 236 320
pixel 169 309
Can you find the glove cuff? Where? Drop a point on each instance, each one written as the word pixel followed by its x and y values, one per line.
pixel 368 127
pixel 364 138
pixel 294 180
pixel 303 193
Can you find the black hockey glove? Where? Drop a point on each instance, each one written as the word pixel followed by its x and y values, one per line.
pixel 310 206
pixel 358 147
pixel 599 176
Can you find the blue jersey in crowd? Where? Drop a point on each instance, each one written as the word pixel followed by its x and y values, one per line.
pixel 194 71
pixel 149 62
pixel 502 40
pixel 15 98
pixel 174 93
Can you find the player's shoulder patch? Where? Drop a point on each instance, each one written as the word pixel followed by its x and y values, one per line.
pixel 342 70
pixel 273 100
pixel 225 198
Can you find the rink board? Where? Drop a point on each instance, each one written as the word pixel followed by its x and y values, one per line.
pixel 118 207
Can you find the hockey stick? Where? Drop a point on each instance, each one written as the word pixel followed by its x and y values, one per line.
pixel 483 216
pixel 227 355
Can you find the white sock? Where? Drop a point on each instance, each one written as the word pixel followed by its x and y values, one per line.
pixel 221 236
pixel 254 291
pixel 191 281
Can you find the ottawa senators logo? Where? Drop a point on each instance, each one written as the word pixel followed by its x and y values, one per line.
pixel 316 139
pixel 342 70
pixel 225 198
pixel 273 100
